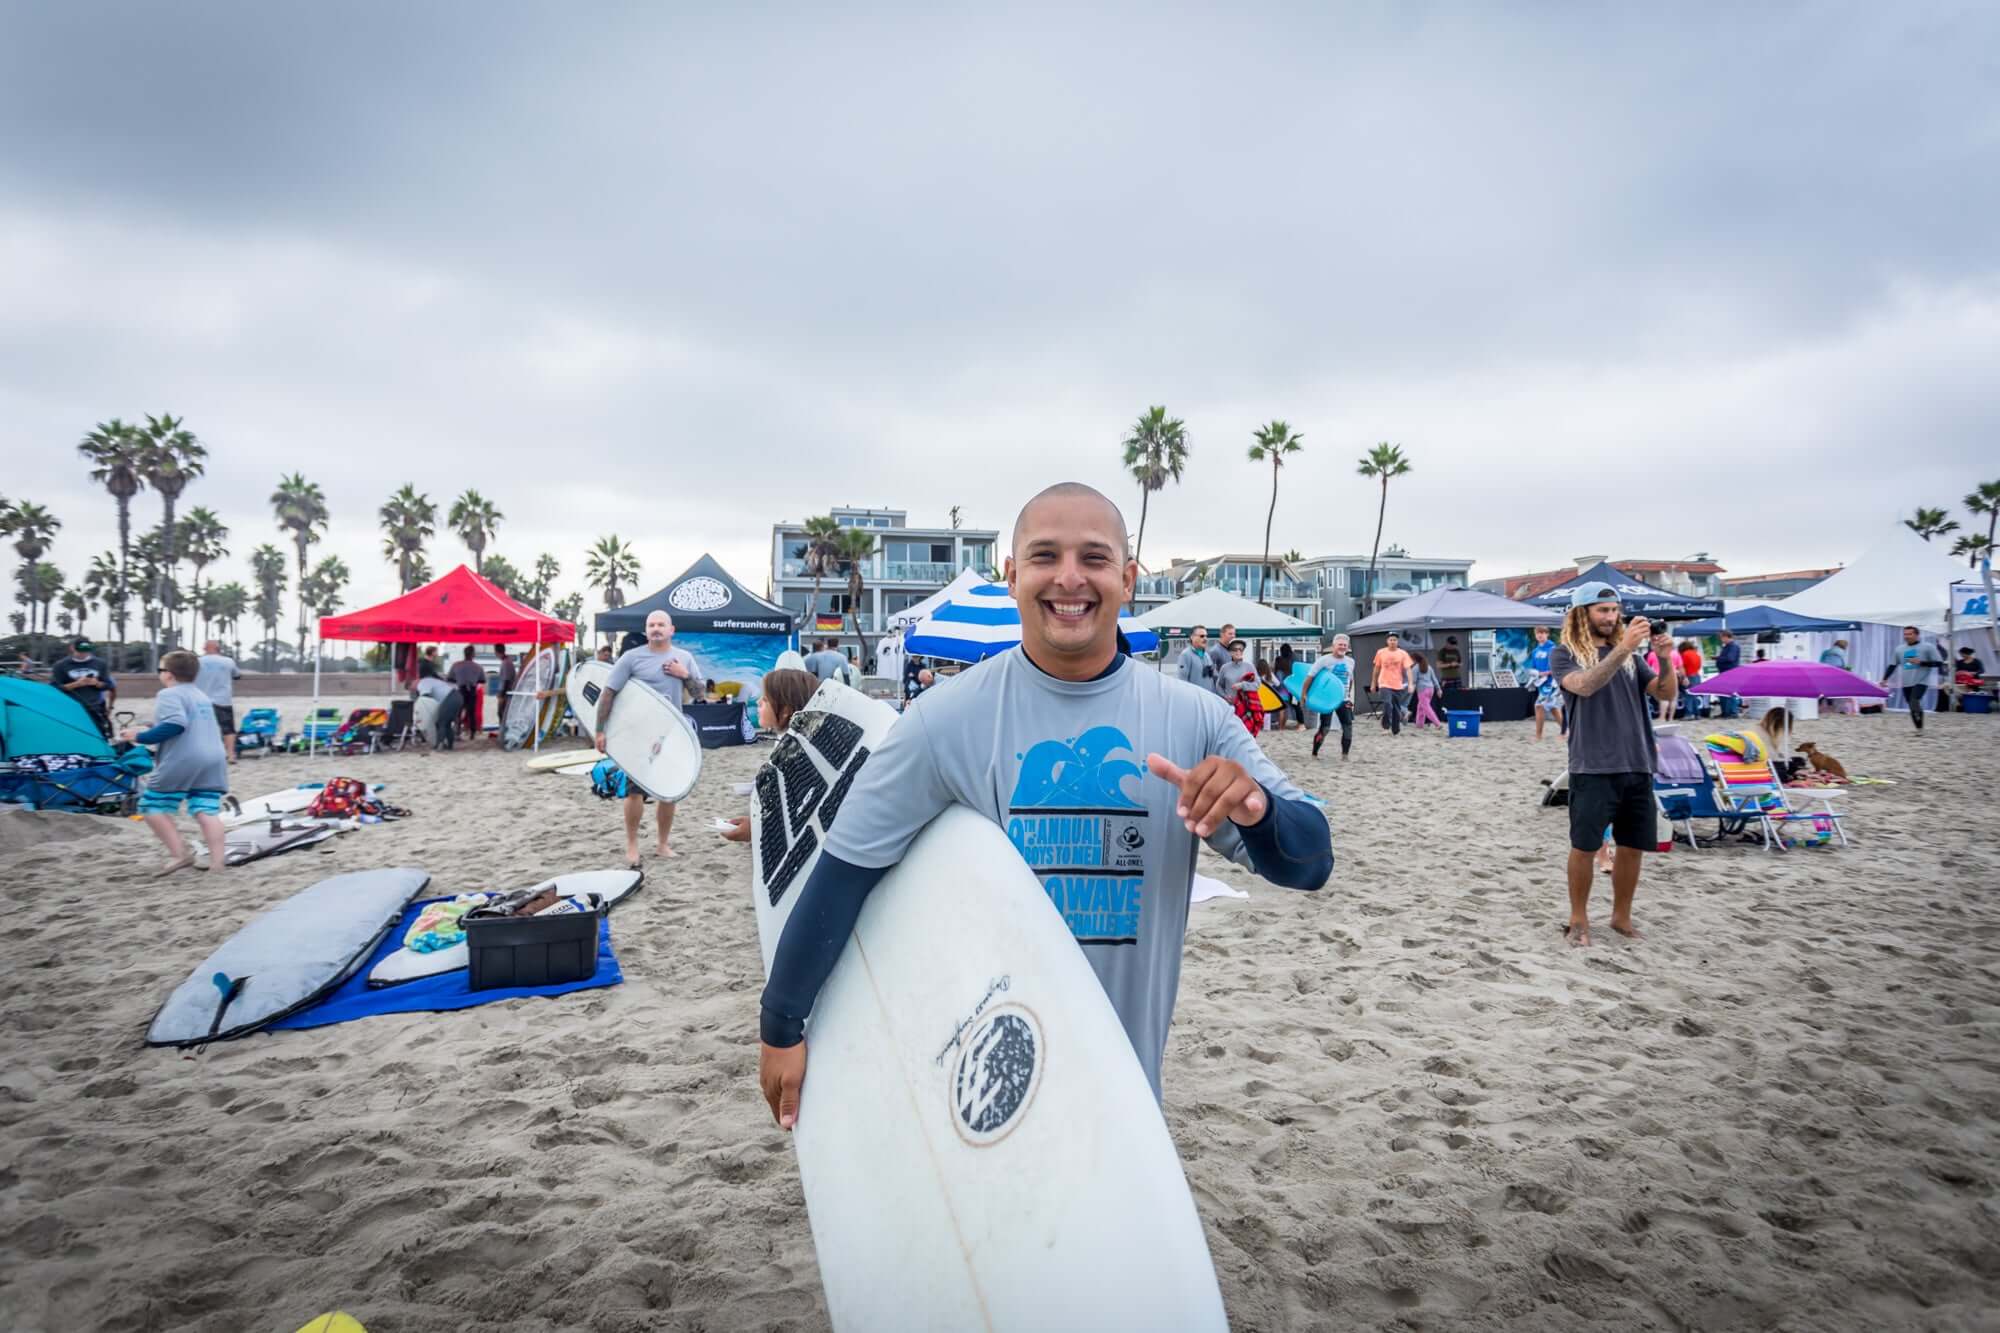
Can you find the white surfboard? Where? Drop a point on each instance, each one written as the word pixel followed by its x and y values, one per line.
pixel 409 965
pixel 978 1143
pixel 561 759
pixel 290 801
pixel 789 660
pixel 646 736
pixel 523 717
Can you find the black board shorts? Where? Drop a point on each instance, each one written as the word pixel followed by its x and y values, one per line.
pixel 1622 802
pixel 225 718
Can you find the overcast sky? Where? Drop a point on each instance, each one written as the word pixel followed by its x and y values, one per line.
pixel 1675 278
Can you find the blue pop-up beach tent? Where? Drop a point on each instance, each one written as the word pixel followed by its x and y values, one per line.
pixel 1765 620
pixel 41 719
pixel 1640 599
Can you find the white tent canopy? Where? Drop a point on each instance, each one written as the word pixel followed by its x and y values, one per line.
pixel 896 621
pixel 1213 608
pixel 1901 580
pixel 1455 608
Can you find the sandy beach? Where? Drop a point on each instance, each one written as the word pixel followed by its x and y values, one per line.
pixel 1401 1102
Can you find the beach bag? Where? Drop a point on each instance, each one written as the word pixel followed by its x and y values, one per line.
pixel 608 780
pixel 341 798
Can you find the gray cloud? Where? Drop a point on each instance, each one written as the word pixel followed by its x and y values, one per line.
pixel 1644 283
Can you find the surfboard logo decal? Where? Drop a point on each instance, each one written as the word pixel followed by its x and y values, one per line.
pixel 700 593
pixel 998 1072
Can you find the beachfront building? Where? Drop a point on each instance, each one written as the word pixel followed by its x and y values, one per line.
pixel 909 565
pixel 1244 575
pixel 1341 588
pixel 1774 586
pixel 1695 576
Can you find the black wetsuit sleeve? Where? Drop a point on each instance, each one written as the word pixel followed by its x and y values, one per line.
pixel 1291 846
pixel 815 934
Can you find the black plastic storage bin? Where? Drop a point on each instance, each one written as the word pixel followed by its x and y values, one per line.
pixel 532 950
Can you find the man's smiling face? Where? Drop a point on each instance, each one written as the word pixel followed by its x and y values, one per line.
pixel 1069 574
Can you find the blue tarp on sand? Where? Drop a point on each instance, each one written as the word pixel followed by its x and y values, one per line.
pixel 451 990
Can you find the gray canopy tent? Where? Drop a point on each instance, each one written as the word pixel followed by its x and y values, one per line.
pixel 1421 619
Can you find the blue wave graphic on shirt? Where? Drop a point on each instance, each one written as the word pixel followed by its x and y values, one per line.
pixel 1079 774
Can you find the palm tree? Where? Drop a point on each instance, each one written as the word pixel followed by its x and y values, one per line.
pixel 1274 442
pixel 227 603
pixel 104 583
pixel 474 519
pixel 301 510
pixel 611 565
pixel 148 563
pixel 1972 546
pixel 1986 500
pixel 547 570
pixel 409 519
pixel 33 529
pixel 1155 453
pixel 820 555
pixel 201 536
pixel 322 588
pixel 169 458
pixel 43 583
pixel 570 608
pixel 113 450
pixel 267 567
pixel 1385 460
pixel 502 575
pixel 855 548
pixel 76 605
pixel 1930 523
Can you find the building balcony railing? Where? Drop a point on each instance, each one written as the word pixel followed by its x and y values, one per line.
pixel 918 571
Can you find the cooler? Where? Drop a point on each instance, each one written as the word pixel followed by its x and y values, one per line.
pixel 1462 721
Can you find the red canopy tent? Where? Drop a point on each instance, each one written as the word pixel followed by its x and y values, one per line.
pixel 461 607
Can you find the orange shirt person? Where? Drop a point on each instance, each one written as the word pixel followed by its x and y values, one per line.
pixel 1391 676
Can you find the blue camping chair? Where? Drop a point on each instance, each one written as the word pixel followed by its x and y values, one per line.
pixel 258 732
pixel 315 731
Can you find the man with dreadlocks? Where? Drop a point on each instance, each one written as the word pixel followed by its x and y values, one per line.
pixel 1605 680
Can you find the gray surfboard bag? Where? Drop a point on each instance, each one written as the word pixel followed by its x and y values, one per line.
pixel 286 957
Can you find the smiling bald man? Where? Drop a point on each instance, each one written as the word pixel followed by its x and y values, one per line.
pixel 1065 722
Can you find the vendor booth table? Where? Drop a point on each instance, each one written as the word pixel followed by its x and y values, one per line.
pixel 1494 705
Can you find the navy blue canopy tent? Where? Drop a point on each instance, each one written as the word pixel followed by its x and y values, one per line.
pixel 1765 620
pixel 1641 599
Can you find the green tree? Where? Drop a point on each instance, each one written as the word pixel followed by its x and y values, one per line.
pixel 1155 453
pixel 33 529
pixel 409 519
pixel 1984 500
pixel 1930 523
pixel 475 520
pixel 267 570
pixel 610 565
pixel 169 458
pixel 300 508
pixel 854 550
pixel 113 449
pixel 547 570
pixel 1973 547
pixel 570 608
pixel 42 583
pixel 1274 443
pixel 819 554
pixel 77 605
pixel 104 583
pixel 500 572
pixel 1385 462
pixel 202 536
pixel 225 604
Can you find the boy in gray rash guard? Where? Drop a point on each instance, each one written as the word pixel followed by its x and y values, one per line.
pixel 1077 753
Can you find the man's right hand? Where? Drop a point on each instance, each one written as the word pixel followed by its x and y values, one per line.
pixel 781 1072
pixel 1637 635
pixel 598 741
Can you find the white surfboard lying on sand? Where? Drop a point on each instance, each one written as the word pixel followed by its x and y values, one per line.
pixel 409 965
pixel 978 1144
pixel 646 736
pixel 561 759
pixel 290 801
pixel 244 843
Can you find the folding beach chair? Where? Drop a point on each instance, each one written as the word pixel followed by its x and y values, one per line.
pixel 318 729
pixel 258 732
pixel 1687 789
pixel 1748 787
pixel 401 728
pixel 360 732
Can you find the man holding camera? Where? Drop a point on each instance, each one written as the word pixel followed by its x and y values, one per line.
pixel 1605 680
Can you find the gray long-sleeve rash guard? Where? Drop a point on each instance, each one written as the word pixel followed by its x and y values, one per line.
pixel 1061 766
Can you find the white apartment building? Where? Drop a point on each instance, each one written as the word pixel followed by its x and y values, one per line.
pixel 909 565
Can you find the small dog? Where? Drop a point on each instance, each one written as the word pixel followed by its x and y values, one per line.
pixel 1822 763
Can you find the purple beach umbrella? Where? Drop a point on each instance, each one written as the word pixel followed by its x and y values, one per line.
pixel 1790 680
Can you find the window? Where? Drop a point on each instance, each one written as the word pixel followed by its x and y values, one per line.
pixel 892 602
pixel 1357 583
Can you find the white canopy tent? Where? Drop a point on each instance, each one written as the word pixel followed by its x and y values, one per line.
pixel 1212 608
pixel 1901 580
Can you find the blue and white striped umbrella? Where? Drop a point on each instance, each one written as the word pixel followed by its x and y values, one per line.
pixel 979 621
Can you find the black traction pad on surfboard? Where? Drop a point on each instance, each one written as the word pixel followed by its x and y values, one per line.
pixel 833 736
pixel 829 809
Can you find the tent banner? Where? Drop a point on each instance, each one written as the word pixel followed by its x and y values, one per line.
pixel 1968 600
pixel 739 657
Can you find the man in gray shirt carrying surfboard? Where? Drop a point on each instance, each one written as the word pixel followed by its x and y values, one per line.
pixel 1071 749
pixel 669 672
